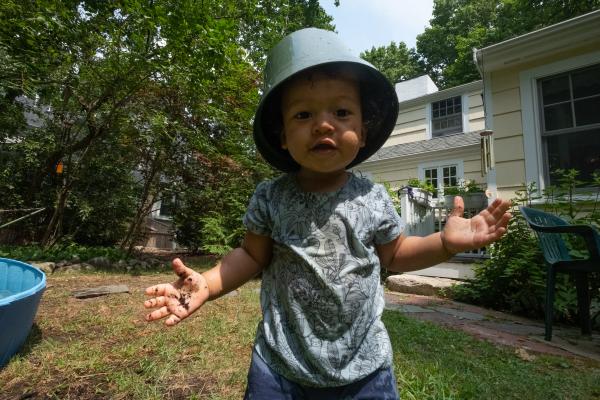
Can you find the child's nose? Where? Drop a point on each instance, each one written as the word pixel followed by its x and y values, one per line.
pixel 323 123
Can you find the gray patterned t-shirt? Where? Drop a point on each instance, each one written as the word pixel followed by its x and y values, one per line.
pixel 321 295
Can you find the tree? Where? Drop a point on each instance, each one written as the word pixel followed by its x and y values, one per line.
pixel 457 26
pixel 148 86
pixel 396 61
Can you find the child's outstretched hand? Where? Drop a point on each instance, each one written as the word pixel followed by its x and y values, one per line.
pixel 462 234
pixel 177 300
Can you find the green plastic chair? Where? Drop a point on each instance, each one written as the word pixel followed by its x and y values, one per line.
pixel 549 230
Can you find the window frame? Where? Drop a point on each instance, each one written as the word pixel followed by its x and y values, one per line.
pixel 439 165
pixel 447 131
pixel 536 165
pixel 157 207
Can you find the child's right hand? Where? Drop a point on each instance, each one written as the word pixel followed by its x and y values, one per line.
pixel 177 300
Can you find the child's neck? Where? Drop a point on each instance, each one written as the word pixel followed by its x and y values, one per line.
pixel 310 181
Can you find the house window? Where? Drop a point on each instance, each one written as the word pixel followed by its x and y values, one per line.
pixel 165 207
pixel 570 114
pixel 446 116
pixel 442 176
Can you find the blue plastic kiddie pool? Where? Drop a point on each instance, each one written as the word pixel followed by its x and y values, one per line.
pixel 21 288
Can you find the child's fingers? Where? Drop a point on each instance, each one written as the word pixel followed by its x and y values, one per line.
pixel 458 207
pixel 159 301
pixel 158 290
pixel 180 269
pixel 172 320
pixel 158 314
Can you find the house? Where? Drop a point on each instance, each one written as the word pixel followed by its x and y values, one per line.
pixel 539 97
pixel 537 108
pixel 437 137
pixel 542 102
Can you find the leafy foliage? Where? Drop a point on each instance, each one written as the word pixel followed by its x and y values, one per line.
pixel 425 185
pixel 60 253
pixel 396 61
pixel 127 96
pixel 445 48
pixel 464 187
pixel 514 277
pixel 210 212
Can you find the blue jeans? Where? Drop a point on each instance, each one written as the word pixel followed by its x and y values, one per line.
pixel 264 383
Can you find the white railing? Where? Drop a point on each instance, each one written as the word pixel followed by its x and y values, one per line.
pixel 423 218
pixel 416 211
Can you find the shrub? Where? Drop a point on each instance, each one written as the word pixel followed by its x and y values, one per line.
pixel 514 277
pixel 59 253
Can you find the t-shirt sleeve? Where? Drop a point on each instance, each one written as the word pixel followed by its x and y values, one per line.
pixel 257 218
pixel 390 224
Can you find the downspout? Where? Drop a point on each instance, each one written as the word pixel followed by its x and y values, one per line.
pixel 486 140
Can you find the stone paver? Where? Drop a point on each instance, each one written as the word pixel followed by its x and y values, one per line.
pixel 500 328
pixel 460 314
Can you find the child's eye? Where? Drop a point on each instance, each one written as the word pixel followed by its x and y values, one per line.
pixel 302 115
pixel 342 112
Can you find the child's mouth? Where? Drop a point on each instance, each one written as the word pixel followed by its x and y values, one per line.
pixel 323 147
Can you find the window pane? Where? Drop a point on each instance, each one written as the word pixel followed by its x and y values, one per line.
pixel 450 178
pixel 166 207
pixel 455 121
pixel 558 117
pixel 448 117
pixel 431 173
pixel 586 82
pixel 555 90
pixel 587 111
pixel 580 151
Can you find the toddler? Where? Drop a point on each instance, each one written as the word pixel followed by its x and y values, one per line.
pixel 320 234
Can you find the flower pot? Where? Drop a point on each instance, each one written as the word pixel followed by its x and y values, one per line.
pixel 477 200
pixel 418 196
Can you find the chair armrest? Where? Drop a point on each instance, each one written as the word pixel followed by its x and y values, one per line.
pixel 588 233
pixel 576 229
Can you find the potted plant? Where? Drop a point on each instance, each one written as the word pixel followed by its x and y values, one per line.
pixel 418 191
pixel 472 193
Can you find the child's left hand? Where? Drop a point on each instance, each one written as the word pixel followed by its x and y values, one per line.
pixel 462 234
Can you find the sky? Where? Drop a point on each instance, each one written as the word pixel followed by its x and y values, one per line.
pixel 363 24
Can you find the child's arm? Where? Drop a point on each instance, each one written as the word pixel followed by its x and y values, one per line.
pixel 460 234
pixel 178 300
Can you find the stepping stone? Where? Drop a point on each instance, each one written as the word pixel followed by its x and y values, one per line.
pixel 460 314
pixel 415 284
pixel 100 291
pixel 406 308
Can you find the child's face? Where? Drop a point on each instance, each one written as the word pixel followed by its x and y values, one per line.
pixel 322 122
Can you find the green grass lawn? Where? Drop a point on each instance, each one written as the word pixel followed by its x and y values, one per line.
pixel 102 348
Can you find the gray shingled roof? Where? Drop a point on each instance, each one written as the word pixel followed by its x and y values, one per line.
pixel 426 146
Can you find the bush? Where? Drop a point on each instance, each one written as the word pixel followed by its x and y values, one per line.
pixel 514 277
pixel 58 253
pixel 209 216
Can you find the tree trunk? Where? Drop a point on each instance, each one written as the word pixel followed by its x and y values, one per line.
pixel 145 206
pixel 55 221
